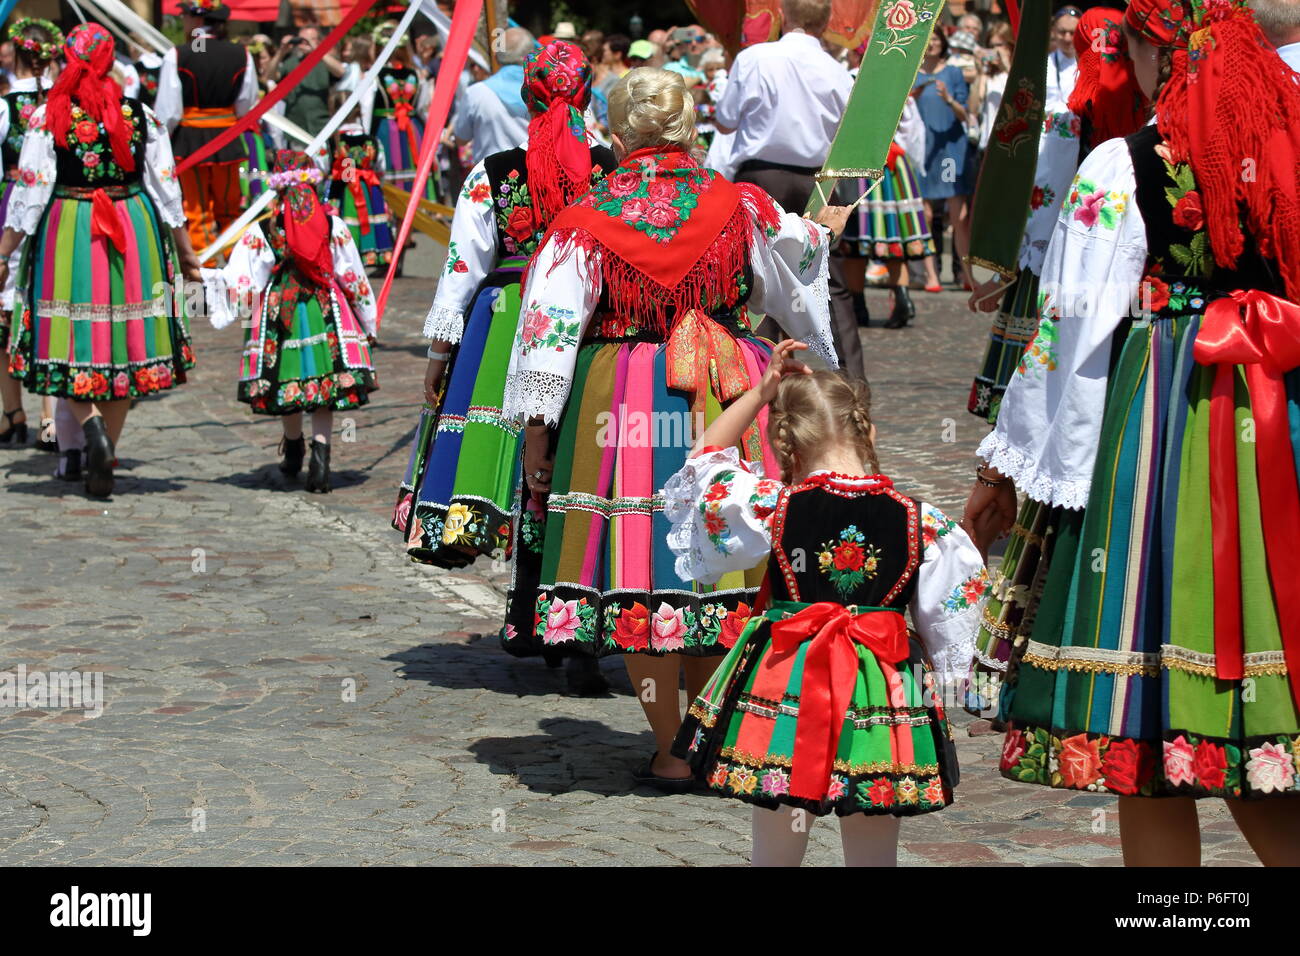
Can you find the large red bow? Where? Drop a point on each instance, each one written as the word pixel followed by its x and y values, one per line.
pixel 356 178
pixel 1261 333
pixel 830 671
pixel 402 117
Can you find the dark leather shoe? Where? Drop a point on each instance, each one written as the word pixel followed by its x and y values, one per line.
pixel 318 469
pixel 292 451
pixel 99 457
pixel 70 465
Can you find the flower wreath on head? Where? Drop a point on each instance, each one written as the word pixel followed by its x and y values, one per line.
pixel 203 8
pixel 383 33
pixel 289 177
pixel 42 51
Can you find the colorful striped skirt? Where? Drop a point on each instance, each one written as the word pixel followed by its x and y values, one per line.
pixel 1013 328
pixel 457 498
pixel 376 240
pixel 97 324
pixel 11 282
pixel 1117 689
pixel 891 222
pixel 401 155
pixel 258 149
pixel 894 756
pixel 306 355
pixel 608 584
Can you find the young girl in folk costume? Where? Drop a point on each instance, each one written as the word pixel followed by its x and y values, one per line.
pixel 356 191
pixel 1165 659
pixel 634 328
pixel 307 346
pixel 100 310
pixel 399 96
pixel 1108 102
pixel 37 44
pixel 824 703
pixel 464 481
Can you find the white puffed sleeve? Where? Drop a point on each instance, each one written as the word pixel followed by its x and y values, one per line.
pixel 159 172
pixel 557 305
pixel 236 289
pixel 951 587
pixel 471 255
pixel 168 102
pixel 1049 423
pixel 721 512
pixel 36 175
pixel 790 259
pixel 350 273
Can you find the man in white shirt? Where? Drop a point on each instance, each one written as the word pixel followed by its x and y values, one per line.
pixel 1280 21
pixel 1062 69
pixel 491 114
pixel 784 101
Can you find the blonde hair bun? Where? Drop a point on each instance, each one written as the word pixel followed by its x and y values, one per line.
pixel 652 107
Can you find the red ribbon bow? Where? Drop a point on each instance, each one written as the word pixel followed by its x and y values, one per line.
pixel 1260 333
pixel 354 176
pixel 104 220
pixel 703 356
pixel 402 117
pixel 830 671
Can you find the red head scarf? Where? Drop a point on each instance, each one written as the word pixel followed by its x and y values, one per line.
pixel 305 221
pixel 89 54
pixel 1106 90
pixel 557 88
pixel 1231 108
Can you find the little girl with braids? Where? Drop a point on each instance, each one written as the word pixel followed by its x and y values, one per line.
pixel 827 702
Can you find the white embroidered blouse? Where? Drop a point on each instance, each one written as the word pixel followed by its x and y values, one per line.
pixel 246 274
pixel 790 273
pixel 37 171
pixel 726 525
pixel 471 255
pixel 1050 420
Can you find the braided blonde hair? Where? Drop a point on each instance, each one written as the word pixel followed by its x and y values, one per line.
pixel 813 411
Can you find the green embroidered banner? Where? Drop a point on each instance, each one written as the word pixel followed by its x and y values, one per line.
pixel 1006 178
pixel 899 35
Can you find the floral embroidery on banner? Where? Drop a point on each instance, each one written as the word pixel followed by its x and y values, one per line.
pixel 901 20
pixel 1019 118
pixel 848 561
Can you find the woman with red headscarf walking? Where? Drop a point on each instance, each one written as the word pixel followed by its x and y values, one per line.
pixel 464 479
pixel 101 318
pixel 1157 400
pixel 300 278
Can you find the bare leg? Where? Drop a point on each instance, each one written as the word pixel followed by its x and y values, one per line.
pixel 1159 832
pixel 931 273
pixel 11 390
pixel 322 423
pixel 897 274
pixel 870 839
pixel 114 417
pixel 698 671
pixel 780 836
pixel 655 682
pixel 959 215
pixel 292 425
pixel 1271 827
pixel 83 411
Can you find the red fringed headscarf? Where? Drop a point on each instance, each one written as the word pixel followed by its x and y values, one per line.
pixel 306 222
pixel 1231 108
pixel 1106 90
pixel 85 79
pixel 557 88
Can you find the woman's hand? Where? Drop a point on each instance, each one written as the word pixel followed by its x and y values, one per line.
pixel 941 88
pixel 538 462
pixel 433 378
pixel 986 296
pixel 990 511
pixel 4 272
pixel 834 218
pixel 781 365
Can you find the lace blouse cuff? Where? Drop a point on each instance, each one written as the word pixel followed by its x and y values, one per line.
pixel 1031 478
pixel 532 392
pixel 443 324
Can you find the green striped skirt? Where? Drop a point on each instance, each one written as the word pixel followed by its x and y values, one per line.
pixel 1013 328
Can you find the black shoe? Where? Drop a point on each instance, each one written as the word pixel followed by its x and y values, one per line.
pixel 292 451
pixel 99 457
pixel 904 310
pixel 647 776
pixel 860 311
pixel 583 677
pixel 69 465
pixel 318 470
pixel 17 431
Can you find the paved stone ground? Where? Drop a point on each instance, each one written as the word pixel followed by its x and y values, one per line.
pixel 272 660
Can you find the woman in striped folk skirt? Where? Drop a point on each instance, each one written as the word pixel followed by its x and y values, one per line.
pixel 101 312
pixel 357 192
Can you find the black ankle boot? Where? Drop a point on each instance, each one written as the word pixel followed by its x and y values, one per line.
pixel 904 311
pixel 292 451
pixel 99 457
pixel 318 470
pixel 583 678
pixel 70 465
pixel 860 311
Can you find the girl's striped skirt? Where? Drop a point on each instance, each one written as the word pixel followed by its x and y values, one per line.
pixel 97 324
pixel 257 148
pixel 891 222
pixel 1013 328
pixel 311 354
pixel 402 148
pixel 375 242
pixel 1117 689
pixel 895 753
pixel 608 584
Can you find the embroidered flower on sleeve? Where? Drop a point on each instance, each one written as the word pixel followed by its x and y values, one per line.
pixel 552 327
pixel 1092 205
pixel 934 525
pixel 968 593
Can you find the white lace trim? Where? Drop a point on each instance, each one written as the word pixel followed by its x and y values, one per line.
pixel 443 324
pixel 1036 482
pixel 26 206
pixel 533 392
pixel 681 507
pixel 824 346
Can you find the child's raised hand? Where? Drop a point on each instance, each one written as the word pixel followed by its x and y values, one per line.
pixel 782 364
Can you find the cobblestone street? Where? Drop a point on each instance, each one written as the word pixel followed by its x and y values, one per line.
pixel 271 659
